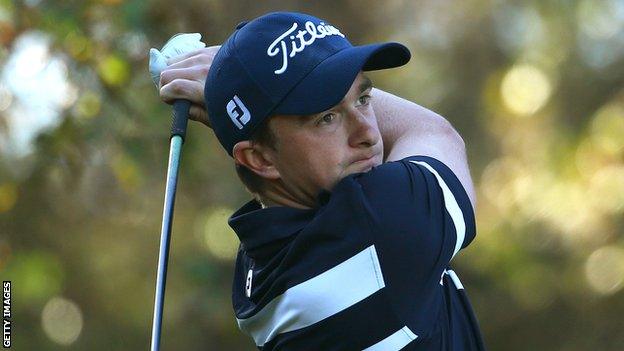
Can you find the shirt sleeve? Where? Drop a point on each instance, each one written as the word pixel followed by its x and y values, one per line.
pixel 420 209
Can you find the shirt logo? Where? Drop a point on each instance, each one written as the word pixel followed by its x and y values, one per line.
pixel 238 112
pixel 300 41
pixel 248 283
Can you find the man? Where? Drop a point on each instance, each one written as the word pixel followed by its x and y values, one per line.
pixel 361 198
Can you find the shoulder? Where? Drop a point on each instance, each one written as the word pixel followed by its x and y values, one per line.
pixel 409 169
pixel 414 178
pixel 417 200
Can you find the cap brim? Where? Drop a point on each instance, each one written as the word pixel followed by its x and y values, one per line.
pixel 328 83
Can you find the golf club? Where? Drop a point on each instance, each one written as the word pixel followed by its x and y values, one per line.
pixel 178 133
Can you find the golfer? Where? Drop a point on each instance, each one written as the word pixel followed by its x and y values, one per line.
pixel 361 199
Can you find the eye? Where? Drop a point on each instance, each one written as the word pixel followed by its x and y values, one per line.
pixel 326 119
pixel 364 99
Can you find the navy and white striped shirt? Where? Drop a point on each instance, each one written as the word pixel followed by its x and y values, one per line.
pixel 368 269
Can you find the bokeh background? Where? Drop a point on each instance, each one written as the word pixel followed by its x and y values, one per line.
pixel 534 87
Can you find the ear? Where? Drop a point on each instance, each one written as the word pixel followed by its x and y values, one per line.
pixel 257 158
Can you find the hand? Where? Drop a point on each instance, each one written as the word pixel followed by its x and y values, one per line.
pixel 185 77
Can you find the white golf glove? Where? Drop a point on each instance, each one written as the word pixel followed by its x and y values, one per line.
pixel 179 44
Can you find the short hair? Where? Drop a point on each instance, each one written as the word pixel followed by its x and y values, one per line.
pixel 254 183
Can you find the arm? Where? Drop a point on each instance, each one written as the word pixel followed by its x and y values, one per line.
pixel 408 129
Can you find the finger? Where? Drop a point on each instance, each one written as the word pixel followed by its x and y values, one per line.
pixel 183 89
pixel 195 73
pixel 203 55
pixel 184 56
pixel 199 113
pixel 200 59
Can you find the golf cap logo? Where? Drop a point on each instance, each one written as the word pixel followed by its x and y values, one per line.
pixel 238 112
pixel 299 41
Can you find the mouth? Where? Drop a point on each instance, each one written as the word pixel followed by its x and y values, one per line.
pixel 361 165
pixel 364 160
pixel 366 163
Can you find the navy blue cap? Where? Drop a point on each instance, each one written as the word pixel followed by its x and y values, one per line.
pixel 285 63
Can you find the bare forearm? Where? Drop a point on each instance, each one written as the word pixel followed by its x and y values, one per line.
pixel 408 129
pixel 401 121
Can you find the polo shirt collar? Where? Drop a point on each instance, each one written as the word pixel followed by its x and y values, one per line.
pixel 257 226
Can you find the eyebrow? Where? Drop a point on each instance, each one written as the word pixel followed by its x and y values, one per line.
pixel 366 84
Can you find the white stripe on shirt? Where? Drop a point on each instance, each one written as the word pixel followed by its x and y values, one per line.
pixel 451 206
pixel 394 342
pixel 317 298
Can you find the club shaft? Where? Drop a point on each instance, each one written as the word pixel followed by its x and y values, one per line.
pixel 165 238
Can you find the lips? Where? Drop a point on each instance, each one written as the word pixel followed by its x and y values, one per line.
pixel 365 163
pixel 363 159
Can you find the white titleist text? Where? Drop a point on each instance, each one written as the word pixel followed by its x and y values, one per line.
pixel 300 41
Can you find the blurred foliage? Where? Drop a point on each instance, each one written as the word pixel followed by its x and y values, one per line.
pixel 534 87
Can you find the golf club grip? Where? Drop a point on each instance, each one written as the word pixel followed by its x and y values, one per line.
pixel 180 118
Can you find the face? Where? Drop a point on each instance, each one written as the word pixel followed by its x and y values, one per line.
pixel 314 152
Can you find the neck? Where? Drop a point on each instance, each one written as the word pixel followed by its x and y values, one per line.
pixel 277 194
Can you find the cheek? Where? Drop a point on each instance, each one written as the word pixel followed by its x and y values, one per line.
pixel 329 165
pixel 318 163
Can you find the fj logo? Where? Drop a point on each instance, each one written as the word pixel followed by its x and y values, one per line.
pixel 238 112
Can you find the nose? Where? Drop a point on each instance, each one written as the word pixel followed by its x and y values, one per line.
pixel 363 130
